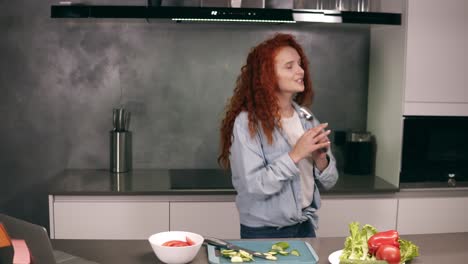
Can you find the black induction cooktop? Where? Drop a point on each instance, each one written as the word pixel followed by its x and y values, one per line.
pixel 184 179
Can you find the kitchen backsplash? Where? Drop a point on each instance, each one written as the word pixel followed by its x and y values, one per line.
pixel 174 78
pixel 60 80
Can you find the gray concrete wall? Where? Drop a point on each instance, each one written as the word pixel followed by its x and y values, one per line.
pixel 61 78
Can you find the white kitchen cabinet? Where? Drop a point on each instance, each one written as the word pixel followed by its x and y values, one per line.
pixel 336 214
pixel 107 217
pixel 216 219
pixel 436 58
pixel 432 215
pixel 137 217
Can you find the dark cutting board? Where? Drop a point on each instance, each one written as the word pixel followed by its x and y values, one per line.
pixel 308 254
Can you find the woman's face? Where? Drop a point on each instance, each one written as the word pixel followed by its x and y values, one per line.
pixel 289 73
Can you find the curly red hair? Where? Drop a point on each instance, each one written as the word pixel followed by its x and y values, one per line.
pixel 255 92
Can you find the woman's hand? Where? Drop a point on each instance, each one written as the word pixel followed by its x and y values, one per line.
pixel 313 143
pixel 319 156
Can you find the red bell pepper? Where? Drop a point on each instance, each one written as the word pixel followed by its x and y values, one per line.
pixel 389 237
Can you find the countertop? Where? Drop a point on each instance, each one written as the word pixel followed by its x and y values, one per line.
pixel 183 182
pixel 433 248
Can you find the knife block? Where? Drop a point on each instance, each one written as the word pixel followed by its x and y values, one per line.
pixel 120 151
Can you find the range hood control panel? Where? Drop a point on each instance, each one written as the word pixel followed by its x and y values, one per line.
pixel 235 15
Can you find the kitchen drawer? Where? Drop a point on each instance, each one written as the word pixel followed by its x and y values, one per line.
pixel 108 218
pixel 432 215
pixel 336 214
pixel 217 219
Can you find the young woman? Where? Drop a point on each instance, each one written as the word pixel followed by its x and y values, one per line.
pixel 277 156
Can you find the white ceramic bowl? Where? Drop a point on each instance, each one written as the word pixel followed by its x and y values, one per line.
pixel 175 255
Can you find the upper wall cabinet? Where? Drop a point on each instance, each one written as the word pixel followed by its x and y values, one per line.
pixel 437 58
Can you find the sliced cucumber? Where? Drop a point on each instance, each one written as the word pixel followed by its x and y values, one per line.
pixel 236 259
pixel 295 252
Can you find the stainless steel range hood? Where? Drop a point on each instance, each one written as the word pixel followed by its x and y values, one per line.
pixel 223 14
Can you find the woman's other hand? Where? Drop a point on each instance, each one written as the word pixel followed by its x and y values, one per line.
pixel 313 143
pixel 320 155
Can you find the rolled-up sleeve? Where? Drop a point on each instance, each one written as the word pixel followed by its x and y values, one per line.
pixel 329 176
pixel 250 171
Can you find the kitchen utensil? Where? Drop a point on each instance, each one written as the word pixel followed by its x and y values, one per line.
pixel 225 244
pixel 304 112
pixel 115 115
pixel 121 119
pixel 307 114
pixel 127 121
pixel 116 118
pixel 307 253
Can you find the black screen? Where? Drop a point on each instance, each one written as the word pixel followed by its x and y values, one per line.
pixel 433 148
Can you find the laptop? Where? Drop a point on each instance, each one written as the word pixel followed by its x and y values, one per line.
pixel 38 242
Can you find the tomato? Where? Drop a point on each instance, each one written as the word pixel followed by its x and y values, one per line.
pixel 181 244
pixel 175 243
pixel 190 242
pixel 389 253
